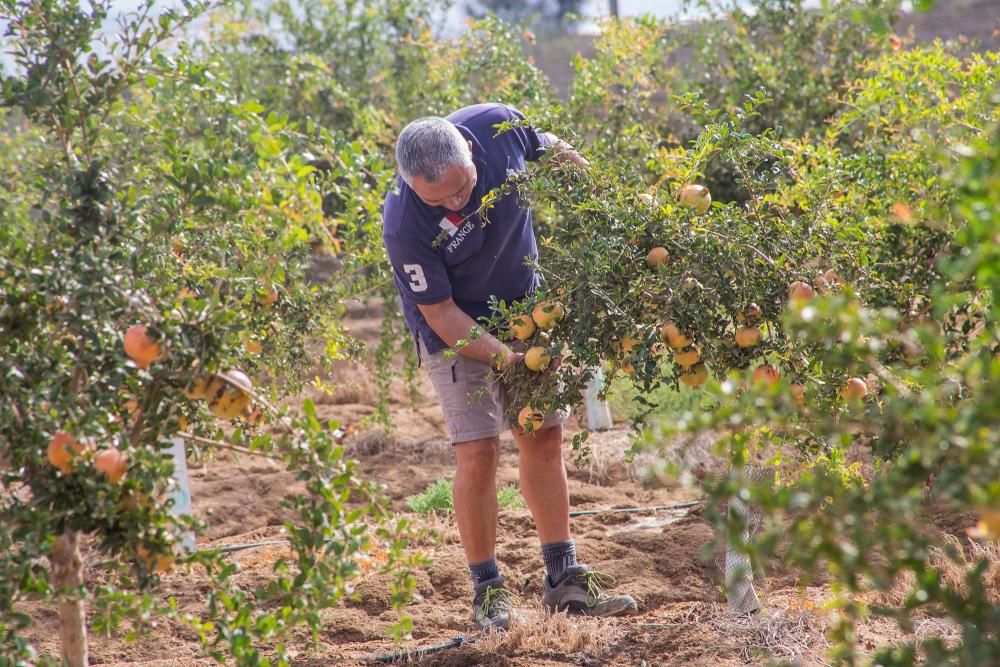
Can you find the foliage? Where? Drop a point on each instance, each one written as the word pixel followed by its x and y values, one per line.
pixel 670 402
pixel 933 425
pixel 195 189
pixel 879 236
pixel 438 497
pixel 141 191
pixel 799 55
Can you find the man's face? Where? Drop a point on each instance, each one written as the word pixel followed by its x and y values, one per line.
pixel 452 191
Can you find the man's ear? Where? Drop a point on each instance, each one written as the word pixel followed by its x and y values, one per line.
pixel 470 147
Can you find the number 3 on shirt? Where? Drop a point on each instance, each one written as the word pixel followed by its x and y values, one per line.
pixel 418 283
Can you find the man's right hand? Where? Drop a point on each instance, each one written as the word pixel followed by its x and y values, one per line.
pixel 508 359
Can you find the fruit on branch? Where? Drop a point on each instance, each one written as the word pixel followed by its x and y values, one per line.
pixel 548 314
pixel 766 374
pixel 800 291
pixel 268 296
pixel 691 284
pixel 156 563
pixel 798 392
pixel 854 389
pixel 626 344
pixel 537 358
pixel 530 419
pixel 228 394
pixel 747 336
pixel 672 336
pixel 198 387
pixel 657 256
pixel 62 449
pixel 695 376
pixel 648 199
pixel 113 463
pixel 140 348
pixel 696 197
pixel 522 327
pixel 253 417
pixel 688 357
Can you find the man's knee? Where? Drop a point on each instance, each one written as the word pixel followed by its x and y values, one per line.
pixel 478 457
pixel 546 439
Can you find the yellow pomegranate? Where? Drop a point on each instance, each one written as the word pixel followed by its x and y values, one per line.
pixel 833 278
pixel 688 357
pixel 747 336
pixel 537 358
pixel 530 419
pixel 672 336
pixel 657 256
pixel 198 387
pixel 228 394
pixel 800 291
pixel 157 563
pixel 798 392
pixel 766 374
pixel 522 327
pixel 854 389
pixel 694 376
pixel 548 314
pixel 696 197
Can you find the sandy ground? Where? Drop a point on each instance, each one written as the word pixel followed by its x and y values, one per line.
pixel 659 558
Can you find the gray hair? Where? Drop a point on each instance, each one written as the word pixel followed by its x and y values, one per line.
pixel 427 146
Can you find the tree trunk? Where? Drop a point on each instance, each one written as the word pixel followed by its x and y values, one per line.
pixel 613 8
pixel 67 569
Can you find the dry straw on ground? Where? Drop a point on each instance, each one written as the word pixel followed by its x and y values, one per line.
pixel 542 632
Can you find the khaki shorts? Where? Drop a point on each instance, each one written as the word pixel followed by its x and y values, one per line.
pixel 474 402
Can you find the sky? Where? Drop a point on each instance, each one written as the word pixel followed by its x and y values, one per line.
pixel 454 21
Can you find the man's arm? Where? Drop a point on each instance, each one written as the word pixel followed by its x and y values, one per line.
pixel 452 324
pixel 563 153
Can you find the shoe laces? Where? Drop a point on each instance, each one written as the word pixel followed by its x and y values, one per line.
pixel 596 582
pixel 495 599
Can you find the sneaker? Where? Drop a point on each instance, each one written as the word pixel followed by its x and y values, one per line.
pixel 492 605
pixel 580 591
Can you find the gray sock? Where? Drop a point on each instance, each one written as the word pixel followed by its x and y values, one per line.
pixel 559 556
pixel 484 571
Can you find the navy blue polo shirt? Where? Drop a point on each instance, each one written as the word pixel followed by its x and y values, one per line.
pixel 437 253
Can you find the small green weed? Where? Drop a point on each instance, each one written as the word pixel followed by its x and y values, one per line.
pixel 438 498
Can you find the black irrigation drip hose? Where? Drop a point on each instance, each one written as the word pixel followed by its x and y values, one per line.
pixel 408 654
pixel 232 548
pixel 636 510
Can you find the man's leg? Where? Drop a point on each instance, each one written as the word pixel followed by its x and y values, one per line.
pixel 569 586
pixel 543 481
pixel 475 494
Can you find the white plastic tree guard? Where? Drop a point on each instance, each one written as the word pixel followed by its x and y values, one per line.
pixel 181 491
pixel 598 411
pixel 740 592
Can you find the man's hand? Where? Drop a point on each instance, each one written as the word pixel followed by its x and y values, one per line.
pixel 564 154
pixel 503 361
